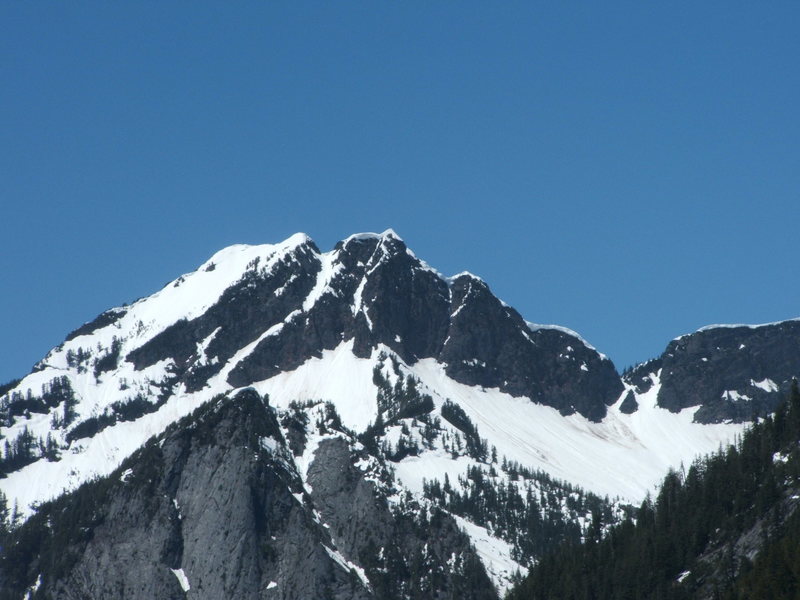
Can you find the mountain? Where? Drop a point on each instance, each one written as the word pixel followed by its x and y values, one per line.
pixel 734 372
pixel 521 433
pixel 215 507
pixel 726 528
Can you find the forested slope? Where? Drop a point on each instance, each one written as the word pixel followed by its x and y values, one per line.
pixel 725 528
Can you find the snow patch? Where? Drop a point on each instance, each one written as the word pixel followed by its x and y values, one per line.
pixel 734 396
pixel 339 376
pixel 414 471
pixel 780 458
pixel 766 384
pixel 202 347
pixel 182 579
pixel 389 233
pixel 328 271
pixel 91 457
pixel 464 274
pixel 494 553
pixel 474 362
pixel 623 456
pixel 537 326
pixel 348 566
pixel 269 444
pixel 34 588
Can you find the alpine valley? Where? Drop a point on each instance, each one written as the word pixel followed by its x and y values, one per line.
pixel 291 424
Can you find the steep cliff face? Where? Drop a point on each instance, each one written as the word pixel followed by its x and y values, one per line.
pixel 372 290
pixel 217 507
pixel 726 527
pixel 299 324
pixel 474 409
pixel 730 372
pixel 406 551
pixel 489 344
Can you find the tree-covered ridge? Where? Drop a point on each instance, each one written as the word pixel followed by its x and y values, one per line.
pixel 39 545
pixel 57 398
pixel 726 528
pixel 528 509
pixel 406 548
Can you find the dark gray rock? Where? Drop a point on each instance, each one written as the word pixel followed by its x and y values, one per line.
pixel 102 320
pixel 641 376
pixel 405 553
pixel 629 405
pixel 217 498
pixel 718 368
pixel 210 498
pixel 244 311
pixel 383 295
pixel 729 555
pixel 489 344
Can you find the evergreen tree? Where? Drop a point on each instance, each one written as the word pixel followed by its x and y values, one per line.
pixel 700 513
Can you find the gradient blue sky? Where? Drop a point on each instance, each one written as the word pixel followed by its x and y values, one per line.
pixel 627 169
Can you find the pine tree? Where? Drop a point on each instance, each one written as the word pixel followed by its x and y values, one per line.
pixel 4 517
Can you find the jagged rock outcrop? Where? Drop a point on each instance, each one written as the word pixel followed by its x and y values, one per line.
pixel 404 551
pixel 374 291
pixel 731 372
pixel 489 344
pixel 434 374
pixel 215 508
pixel 733 553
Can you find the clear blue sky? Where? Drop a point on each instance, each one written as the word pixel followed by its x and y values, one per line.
pixel 629 170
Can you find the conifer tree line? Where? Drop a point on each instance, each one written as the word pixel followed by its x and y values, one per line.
pixel 526 508
pixel 58 399
pixel 57 392
pixel 696 537
pixel 25 448
pixel 530 510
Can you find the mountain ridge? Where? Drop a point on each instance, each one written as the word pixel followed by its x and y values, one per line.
pixel 227 473
pixel 444 380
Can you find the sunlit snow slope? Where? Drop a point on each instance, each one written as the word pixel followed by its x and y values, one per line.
pixel 301 325
pixel 619 455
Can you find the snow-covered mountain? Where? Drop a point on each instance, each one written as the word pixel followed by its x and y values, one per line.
pixel 733 371
pixel 433 375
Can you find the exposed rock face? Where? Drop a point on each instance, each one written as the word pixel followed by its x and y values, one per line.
pixel 404 552
pixel 629 404
pixel 728 557
pixel 232 503
pixel 489 344
pixel 732 372
pixel 374 291
pixel 260 300
pixel 215 508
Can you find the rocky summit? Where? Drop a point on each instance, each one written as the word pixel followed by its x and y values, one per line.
pixel 285 422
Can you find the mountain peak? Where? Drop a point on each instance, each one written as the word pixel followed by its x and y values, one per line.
pixel 296 239
pixel 390 233
pixel 717 326
pixel 369 235
pixel 301 325
pixel 465 275
pixel 434 374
